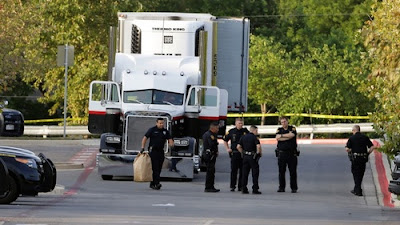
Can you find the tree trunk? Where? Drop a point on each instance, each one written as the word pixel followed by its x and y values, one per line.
pixel 263 110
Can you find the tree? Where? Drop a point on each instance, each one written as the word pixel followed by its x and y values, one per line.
pixel 382 38
pixel 267 73
pixel 13 28
pixel 324 81
pixel 83 24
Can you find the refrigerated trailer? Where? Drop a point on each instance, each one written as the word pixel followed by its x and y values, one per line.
pixel 189 69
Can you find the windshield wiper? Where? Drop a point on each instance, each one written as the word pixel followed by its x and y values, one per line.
pixel 169 103
pixel 137 101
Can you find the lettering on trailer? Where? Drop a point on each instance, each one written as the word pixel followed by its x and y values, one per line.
pixel 169 28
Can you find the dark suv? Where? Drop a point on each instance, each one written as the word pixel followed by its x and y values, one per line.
pixel 24 173
pixel 12 123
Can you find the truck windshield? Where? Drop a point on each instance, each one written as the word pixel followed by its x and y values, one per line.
pixel 153 97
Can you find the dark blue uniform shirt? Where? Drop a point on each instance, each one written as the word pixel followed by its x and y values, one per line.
pixel 210 141
pixel 249 142
pixel 234 136
pixel 358 143
pixel 291 144
pixel 157 137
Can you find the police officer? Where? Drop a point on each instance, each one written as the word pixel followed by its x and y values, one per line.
pixel 287 154
pixel 356 147
pixel 234 136
pixel 250 147
pixel 210 153
pixel 158 135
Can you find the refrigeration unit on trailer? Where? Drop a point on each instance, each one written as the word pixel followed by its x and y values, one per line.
pixel 189 69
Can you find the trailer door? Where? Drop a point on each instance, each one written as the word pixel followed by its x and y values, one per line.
pixel 104 106
pixel 232 60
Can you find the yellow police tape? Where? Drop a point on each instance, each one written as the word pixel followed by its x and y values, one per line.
pixel 53 120
pixel 231 115
pixel 298 114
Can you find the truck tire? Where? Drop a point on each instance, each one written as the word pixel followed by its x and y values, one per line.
pixel 12 193
pixel 106 177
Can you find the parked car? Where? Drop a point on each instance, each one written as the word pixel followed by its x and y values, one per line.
pixel 12 122
pixel 394 185
pixel 25 173
pixel 3 178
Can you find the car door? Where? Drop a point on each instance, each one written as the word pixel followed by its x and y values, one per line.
pixel 3 177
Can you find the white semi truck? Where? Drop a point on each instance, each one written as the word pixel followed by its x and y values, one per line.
pixel 190 69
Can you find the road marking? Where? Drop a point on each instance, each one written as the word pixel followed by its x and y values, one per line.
pixel 85 156
pixel 167 205
pixel 209 222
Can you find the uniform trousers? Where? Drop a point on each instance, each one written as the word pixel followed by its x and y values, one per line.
pixel 358 170
pixel 236 165
pixel 290 160
pixel 157 160
pixel 250 163
pixel 210 175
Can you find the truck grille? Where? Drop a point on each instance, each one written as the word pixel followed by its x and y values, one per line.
pixel 136 127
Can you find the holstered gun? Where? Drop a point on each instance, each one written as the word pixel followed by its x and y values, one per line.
pixel 277 152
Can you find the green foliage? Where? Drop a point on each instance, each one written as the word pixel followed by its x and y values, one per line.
pixel 81 24
pixel 326 82
pixel 382 38
pixel 12 30
pixel 304 56
pixel 267 64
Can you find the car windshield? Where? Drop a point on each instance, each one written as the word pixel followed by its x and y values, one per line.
pixel 153 97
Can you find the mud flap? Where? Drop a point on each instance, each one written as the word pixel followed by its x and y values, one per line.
pixel 3 177
pixel 49 175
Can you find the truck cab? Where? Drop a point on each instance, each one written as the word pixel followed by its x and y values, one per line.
pixel 175 66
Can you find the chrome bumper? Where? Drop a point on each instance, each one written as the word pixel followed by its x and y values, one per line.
pixel 120 165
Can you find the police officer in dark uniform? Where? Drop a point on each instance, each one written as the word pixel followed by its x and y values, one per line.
pixel 234 136
pixel 210 153
pixel 356 147
pixel 250 147
pixel 158 135
pixel 287 154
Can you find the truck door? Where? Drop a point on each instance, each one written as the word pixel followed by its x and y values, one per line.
pixel 104 107
pixel 205 104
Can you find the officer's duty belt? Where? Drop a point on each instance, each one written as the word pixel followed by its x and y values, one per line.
pixel 360 154
pixel 249 153
pixel 284 152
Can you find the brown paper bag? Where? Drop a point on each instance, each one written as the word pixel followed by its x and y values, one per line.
pixel 142 170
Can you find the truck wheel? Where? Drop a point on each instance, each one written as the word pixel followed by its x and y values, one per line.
pixel 106 177
pixel 12 193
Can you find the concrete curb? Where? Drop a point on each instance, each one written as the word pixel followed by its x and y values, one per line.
pixel 58 190
pixel 66 165
pixel 381 171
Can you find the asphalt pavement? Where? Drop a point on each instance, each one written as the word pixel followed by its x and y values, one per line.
pixel 324 196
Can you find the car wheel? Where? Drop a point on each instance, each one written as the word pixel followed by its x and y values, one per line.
pixel 106 177
pixel 12 193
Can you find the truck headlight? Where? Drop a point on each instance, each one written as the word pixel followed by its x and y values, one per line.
pixel 29 162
